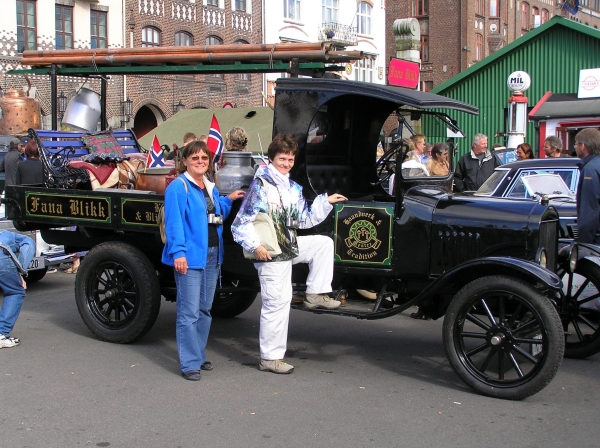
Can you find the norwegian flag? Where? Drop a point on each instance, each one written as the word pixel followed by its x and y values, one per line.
pixel 155 157
pixel 215 140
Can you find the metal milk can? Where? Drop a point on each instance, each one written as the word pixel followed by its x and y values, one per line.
pixel 237 172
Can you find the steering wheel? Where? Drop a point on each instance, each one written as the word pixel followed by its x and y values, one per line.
pixel 386 165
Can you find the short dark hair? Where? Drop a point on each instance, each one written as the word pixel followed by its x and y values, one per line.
pixel 282 143
pixel 192 148
pixel 31 149
pixel 590 137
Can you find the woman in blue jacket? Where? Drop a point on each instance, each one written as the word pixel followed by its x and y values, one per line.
pixel 194 215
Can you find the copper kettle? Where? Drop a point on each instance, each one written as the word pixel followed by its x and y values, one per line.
pixel 18 113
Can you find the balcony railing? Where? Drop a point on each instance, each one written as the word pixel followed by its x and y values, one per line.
pixel 338 34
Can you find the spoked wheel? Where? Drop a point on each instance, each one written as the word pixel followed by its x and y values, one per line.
pixel 580 310
pixel 503 338
pixel 117 292
pixel 233 297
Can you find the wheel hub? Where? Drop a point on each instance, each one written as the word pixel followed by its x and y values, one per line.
pixel 499 337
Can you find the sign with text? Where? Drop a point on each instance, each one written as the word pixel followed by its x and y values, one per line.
pixel 404 73
pixel 589 83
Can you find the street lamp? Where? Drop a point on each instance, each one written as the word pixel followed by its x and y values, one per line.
pixel 127 109
pixel 62 104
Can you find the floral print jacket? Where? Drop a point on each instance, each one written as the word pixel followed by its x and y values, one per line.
pixel 264 195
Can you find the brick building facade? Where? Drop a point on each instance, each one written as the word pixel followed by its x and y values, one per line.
pixel 134 23
pixel 456 34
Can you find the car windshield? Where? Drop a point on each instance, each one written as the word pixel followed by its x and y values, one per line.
pixel 518 189
pixel 490 185
pixel 551 185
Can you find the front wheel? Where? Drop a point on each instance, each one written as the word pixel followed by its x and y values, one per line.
pixel 580 311
pixel 503 338
pixel 117 292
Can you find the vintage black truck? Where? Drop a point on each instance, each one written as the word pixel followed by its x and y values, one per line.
pixel 487 266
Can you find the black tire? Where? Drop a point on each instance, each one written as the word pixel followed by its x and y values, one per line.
pixel 35 276
pixel 117 292
pixel 491 330
pixel 233 297
pixel 580 323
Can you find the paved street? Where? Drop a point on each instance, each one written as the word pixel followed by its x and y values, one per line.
pixel 378 384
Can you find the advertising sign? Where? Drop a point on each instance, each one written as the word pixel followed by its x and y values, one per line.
pixel 589 83
pixel 404 73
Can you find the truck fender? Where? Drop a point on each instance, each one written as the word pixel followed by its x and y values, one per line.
pixel 436 298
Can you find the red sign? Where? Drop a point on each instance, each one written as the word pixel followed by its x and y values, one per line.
pixel 228 105
pixel 404 73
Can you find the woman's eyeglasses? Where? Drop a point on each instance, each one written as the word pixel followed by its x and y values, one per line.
pixel 196 158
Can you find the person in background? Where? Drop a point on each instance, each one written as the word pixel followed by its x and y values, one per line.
pixel 553 147
pixel 438 164
pixel 273 192
pixel 524 152
pixel 427 152
pixel 473 168
pixel 587 148
pixel 236 139
pixel 188 137
pixel 16 248
pixel 203 138
pixel 419 147
pixel 31 170
pixel 194 248
pixel 12 159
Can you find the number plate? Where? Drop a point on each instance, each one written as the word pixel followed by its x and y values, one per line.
pixel 37 263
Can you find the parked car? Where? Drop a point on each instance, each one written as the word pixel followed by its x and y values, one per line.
pixel 507 182
pixel 581 319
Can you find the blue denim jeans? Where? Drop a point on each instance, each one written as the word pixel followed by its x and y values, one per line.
pixel 195 292
pixel 10 283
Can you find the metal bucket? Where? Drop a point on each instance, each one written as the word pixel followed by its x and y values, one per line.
pixel 237 174
pixel 153 179
pixel 83 111
pixel 18 112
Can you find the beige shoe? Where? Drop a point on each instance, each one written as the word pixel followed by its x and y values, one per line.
pixel 275 366
pixel 313 301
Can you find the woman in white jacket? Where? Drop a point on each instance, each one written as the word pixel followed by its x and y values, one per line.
pixel 273 192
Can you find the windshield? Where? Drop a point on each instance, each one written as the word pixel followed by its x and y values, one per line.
pixel 490 185
pixel 551 185
pixel 518 189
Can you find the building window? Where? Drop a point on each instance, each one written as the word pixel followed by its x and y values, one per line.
pixel 544 16
pixel 183 39
pixel 291 9
pixel 98 29
pixel 214 40
pixel 363 18
pixel 240 5
pixel 212 2
pixel 424 48
pixel 26 31
pixel 241 76
pixel 150 37
pixel 329 10
pixel 426 86
pixel 420 8
pixel 478 47
pixel 365 69
pixel 494 11
pixel 480 7
pixel 524 16
pixel 63 21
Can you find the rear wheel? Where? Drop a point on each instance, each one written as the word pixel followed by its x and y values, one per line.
pixel 117 292
pixel 580 311
pixel 35 276
pixel 233 297
pixel 503 338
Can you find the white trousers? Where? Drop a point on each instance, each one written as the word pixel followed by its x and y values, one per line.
pixel 276 290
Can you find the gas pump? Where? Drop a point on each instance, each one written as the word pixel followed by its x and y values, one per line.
pixel 518 82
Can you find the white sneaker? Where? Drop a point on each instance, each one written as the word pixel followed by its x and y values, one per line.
pixel 275 366
pixel 313 301
pixel 8 342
